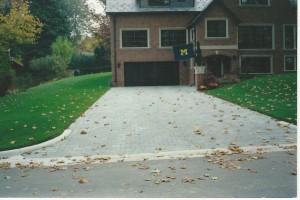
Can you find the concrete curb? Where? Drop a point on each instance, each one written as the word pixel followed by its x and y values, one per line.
pixel 16 152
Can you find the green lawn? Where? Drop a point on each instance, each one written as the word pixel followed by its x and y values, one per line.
pixel 44 112
pixel 273 95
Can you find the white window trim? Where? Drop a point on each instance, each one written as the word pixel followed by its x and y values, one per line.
pixel 273 36
pixel 169 29
pixel 254 56
pixel 284 64
pixel 134 29
pixel 215 19
pixel 240 4
pixel 295 36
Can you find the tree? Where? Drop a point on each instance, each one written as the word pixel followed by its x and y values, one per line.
pixel 17 27
pixel 102 31
pixel 78 17
pixel 63 48
pixel 54 16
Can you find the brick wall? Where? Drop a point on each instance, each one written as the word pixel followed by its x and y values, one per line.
pixel 153 22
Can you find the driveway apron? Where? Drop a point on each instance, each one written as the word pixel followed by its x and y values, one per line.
pixel 137 120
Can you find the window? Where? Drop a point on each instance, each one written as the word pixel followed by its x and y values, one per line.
pixel 256 37
pixel 134 38
pixel 256 64
pixel 290 36
pixel 158 2
pixel 216 28
pixel 170 38
pixel 290 63
pixel 255 2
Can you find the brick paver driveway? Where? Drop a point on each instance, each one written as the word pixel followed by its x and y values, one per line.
pixel 139 120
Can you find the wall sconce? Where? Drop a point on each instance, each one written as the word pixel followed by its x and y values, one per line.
pixel 119 65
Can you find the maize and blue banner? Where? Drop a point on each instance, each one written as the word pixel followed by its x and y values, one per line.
pixel 183 52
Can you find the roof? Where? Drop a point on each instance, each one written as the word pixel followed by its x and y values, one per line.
pixel 131 6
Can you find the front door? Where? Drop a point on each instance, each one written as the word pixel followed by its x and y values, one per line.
pixel 218 65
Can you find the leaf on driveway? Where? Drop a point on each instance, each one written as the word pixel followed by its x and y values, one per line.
pixel 197 130
pixel 156 171
pixel 135 164
pixel 188 180
pixel 83 181
pixel 83 132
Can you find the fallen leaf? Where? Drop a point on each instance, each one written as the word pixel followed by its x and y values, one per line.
pixel 83 181
pixel 214 178
pixel 13 142
pixel 83 132
pixel 188 180
pixel 156 171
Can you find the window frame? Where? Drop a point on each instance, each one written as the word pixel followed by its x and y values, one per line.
pixel 162 5
pixel 295 63
pixel 134 29
pixel 216 19
pixel 295 36
pixel 256 49
pixel 172 29
pixel 256 56
pixel 256 5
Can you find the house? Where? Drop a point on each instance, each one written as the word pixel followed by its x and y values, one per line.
pixel 236 37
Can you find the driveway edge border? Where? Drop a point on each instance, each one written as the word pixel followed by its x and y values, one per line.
pixel 16 152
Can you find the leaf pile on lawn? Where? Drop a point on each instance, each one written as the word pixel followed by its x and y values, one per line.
pixel 273 95
pixel 45 111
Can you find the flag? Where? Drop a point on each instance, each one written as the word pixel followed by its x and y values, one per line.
pixel 183 52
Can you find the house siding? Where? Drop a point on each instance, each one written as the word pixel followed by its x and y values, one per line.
pixel 154 52
pixel 277 14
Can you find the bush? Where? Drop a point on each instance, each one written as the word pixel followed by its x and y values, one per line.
pixel 101 54
pixel 24 82
pixel 63 48
pixel 6 79
pixel 48 67
pixel 82 61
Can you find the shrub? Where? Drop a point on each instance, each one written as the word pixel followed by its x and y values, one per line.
pixel 6 79
pixel 101 54
pixel 82 61
pixel 63 48
pixel 24 81
pixel 48 67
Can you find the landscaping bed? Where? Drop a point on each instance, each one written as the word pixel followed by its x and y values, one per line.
pixel 273 95
pixel 45 111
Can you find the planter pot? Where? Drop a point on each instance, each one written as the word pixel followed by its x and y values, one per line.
pixel 200 69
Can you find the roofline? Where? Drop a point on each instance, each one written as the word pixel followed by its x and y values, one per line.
pixel 198 17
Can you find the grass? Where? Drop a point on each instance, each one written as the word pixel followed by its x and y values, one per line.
pixel 273 95
pixel 45 111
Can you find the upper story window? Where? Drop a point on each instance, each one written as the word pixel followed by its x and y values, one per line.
pixel 255 2
pixel 134 38
pixel 158 2
pixel 256 37
pixel 169 38
pixel 216 28
pixel 290 36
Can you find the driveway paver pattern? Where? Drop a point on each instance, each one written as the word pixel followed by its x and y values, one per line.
pixel 137 120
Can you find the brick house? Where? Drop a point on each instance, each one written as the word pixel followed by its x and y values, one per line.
pixel 236 37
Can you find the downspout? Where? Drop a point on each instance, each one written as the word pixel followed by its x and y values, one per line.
pixel 115 49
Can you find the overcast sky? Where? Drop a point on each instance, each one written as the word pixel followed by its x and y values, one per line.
pixel 96 5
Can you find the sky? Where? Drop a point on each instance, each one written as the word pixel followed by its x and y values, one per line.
pixel 96 5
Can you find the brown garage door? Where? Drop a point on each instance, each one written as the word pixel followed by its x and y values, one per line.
pixel 151 73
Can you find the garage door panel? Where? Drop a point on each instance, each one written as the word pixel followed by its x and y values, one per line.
pixel 151 73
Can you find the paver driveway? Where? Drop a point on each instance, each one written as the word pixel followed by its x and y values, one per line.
pixel 140 120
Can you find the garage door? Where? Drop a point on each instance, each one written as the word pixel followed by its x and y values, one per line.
pixel 151 73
